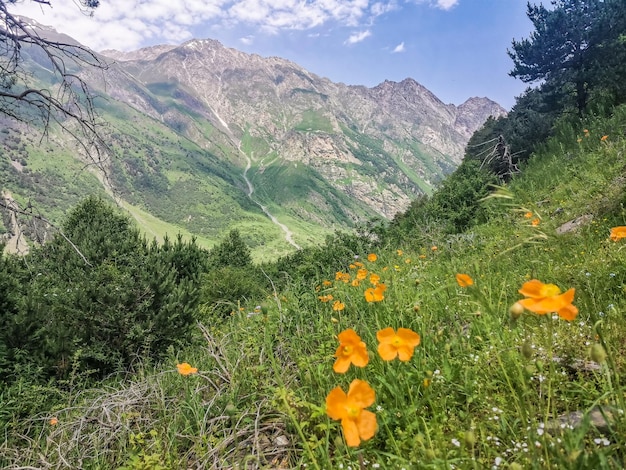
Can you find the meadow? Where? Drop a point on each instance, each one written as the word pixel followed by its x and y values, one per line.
pixel 498 347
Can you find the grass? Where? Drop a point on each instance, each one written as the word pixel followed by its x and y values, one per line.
pixel 484 388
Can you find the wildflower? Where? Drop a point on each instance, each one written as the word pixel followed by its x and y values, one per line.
pixel 375 294
pixel 372 257
pixel 617 233
pixel 327 283
pixel 338 306
pixel 358 264
pixel 433 248
pixel 186 369
pixel 534 222
pixel 422 256
pixel 399 252
pixel 528 215
pixel 579 140
pixel 374 279
pixel 401 344
pixel 357 422
pixel 361 274
pixel 54 421
pixel 326 298
pixel 604 138
pixel 464 280
pixel 351 350
pixel 355 283
pixel 586 132
pixel 547 298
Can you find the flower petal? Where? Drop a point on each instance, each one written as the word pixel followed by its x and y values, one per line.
pixel 385 335
pixel 409 337
pixel 342 364
pixel 360 394
pixel 532 289
pixel 387 352
pixel 405 352
pixel 568 312
pixel 366 424
pixel 336 403
pixel 351 432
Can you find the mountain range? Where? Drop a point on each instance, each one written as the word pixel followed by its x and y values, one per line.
pixel 206 138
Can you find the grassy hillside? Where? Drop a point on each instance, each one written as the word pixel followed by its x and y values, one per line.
pixel 487 387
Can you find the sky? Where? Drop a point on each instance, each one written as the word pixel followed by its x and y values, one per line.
pixel 455 48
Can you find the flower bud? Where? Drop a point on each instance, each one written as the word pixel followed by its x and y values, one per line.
pixel 597 353
pixel 516 310
pixel 527 350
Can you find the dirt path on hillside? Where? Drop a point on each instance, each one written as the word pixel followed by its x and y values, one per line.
pixel 284 228
pixel 16 243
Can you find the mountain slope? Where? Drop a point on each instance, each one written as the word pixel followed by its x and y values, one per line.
pixel 208 138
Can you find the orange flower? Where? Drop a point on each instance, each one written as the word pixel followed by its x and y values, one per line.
pixel 528 215
pixel 355 282
pixel 547 298
pixel 374 279
pixel 464 280
pixel 357 423
pixel 534 222
pixel 372 257
pixel 358 264
pixel 401 344
pixel 617 233
pixel 337 306
pixel 351 350
pixel 375 294
pixel 399 252
pixel 326 298
pixel 604 138
pixel 361 274
pixel 327 283
pixel 54 421
pixel 186 369
pixel 433 248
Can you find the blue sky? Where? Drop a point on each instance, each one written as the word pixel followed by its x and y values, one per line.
pixel 455 48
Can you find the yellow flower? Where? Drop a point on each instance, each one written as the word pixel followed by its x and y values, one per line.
pixel 186 369
pixel 327 283
pixel 351 350
pixel 372 257
pixel 361 274
pixel 337 306
pixel 617 233
pixel 399 252
pixel 464 280
pixel 355 282
pixel 326 298
pixel 374 279
pixel 375 294
pixel 604 138
pixel 579 140
pixel 358 264
pixel 357 423
pixel 401 344
pixel 547 298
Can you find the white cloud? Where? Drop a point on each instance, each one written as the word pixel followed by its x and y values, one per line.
pixel 446 4
pixel 129 24
pixel 247 40
pixel 358 37
pixel 398 48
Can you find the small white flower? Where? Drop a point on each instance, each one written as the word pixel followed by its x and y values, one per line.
pixel 498 461
pixel 456 442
